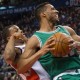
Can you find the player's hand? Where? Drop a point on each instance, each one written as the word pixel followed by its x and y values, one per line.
pixel 48 46
pixel 72 44
pixel 18 35
pixel 75 44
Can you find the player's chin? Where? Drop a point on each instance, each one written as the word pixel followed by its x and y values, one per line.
pixel 57 19
pixel 54 20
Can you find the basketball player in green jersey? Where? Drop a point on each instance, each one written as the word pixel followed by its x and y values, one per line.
pixel 63 68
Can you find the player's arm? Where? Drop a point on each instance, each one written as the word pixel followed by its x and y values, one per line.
pixel 9 52
pixel 24 38
pixel 30 56
pixel 74 36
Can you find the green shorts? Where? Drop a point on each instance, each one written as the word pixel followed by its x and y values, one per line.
pixel 68 75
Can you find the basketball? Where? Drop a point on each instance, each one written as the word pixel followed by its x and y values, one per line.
pixel 61 44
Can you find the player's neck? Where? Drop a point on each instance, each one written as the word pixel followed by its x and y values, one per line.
pixel 46 26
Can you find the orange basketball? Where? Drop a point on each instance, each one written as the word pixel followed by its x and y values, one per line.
pixel 61 44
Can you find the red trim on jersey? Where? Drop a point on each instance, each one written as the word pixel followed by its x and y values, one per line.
pixel 33 75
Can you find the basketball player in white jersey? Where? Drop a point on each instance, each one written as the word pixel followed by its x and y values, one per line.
pixel 15 47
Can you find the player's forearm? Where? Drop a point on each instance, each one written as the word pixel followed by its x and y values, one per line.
pixel 9 53
pixel 25 64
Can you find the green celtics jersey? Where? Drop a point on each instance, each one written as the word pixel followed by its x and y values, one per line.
pixel 55 65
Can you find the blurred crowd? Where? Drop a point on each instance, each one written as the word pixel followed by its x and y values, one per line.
pixel 70 16
pixel 27 22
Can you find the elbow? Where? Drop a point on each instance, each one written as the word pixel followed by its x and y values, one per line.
pixel 7 58
pixel 22 70
pixel 23 66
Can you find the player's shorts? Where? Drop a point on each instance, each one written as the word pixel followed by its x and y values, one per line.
pixel 68 75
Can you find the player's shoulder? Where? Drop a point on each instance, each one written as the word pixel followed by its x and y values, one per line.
pixel 33 40
pixel 68 28
pixel 64 26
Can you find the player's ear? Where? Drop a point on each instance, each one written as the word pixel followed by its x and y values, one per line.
pixel 43 14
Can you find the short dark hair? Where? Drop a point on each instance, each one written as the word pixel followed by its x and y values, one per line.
pixel 40 8
pixel 6 32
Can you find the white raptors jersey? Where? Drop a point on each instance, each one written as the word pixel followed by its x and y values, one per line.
pixel 36 72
